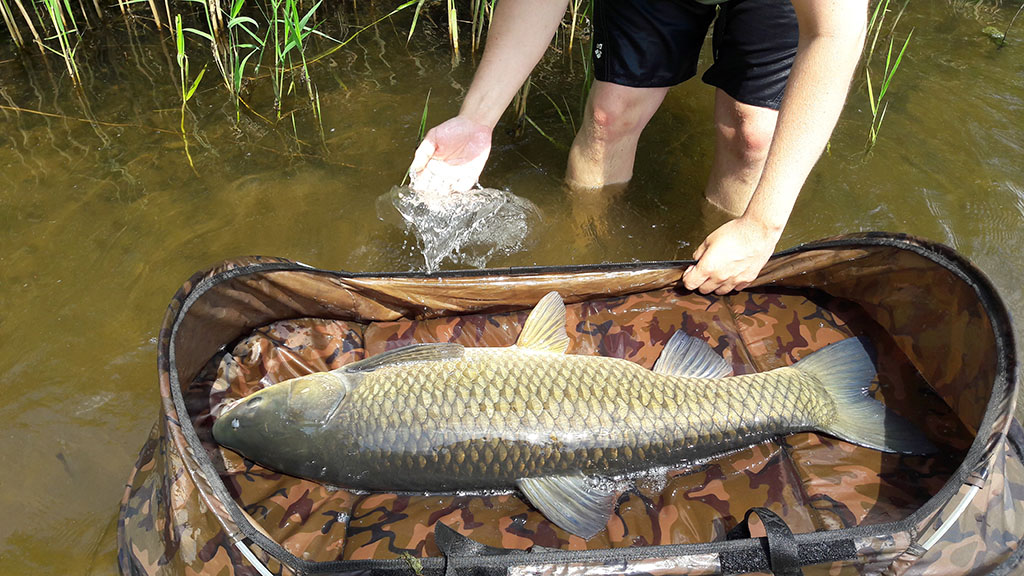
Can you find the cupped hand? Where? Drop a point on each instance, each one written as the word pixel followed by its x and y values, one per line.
pixel 731 257
pixel 451 157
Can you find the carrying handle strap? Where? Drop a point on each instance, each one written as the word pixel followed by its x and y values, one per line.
pixel 783 552
pixel 454 546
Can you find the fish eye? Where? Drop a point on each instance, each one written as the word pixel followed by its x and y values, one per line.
pixel 253 402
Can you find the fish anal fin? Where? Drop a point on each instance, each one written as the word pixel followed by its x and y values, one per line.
pixel 571 502
pixel 685 355
pixel 413 353
pixel 545 326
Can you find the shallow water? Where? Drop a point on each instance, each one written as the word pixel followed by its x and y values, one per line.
pixel 101 223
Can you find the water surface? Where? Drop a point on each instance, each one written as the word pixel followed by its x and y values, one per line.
pixel 101 223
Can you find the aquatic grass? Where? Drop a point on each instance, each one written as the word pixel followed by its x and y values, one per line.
pixel 422 132
pixel 65 31
pixel 12 26
pixel 483 11
pixel 243 43
pixel 255 41
pixel 453 31
pixel 878 109
pixel 287 34
pixel 187 90
pixel 423 118
pixel 877 101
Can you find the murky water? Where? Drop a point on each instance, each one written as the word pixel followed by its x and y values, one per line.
pixel 100 223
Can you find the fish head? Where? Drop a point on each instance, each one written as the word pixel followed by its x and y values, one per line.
pixel 280 425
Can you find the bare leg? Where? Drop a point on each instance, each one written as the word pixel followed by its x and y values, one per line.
pixel 743 136
pixel 605 146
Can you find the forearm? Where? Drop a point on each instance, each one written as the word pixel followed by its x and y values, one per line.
pixel 516 40
pixel 831 39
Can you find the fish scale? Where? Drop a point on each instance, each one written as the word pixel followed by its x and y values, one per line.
pixel 564 412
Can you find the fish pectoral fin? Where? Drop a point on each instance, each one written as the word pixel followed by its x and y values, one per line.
pixel 406 354
pixel 571 502
pixel 685 355
pixel 545 326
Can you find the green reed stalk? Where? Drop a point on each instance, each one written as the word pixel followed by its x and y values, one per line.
pixel 217 48
pixel 289 33
pixel 187 91
pixel 483 11
pixel 415 19
pixel 423 119
pixel 243 43
pixel 63 23
pixel 877 108
pixel 878 104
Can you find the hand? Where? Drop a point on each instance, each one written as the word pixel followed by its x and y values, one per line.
pixel 731 257
pixel 451 157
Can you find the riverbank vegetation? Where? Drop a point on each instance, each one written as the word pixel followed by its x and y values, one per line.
pixel 275 46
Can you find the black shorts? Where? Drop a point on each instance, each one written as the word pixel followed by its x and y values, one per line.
pixel 656 43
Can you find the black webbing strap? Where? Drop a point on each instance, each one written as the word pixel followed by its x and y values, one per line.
pixel 454 546
pixel 781 548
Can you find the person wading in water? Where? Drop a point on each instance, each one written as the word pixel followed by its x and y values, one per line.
pixel 782 69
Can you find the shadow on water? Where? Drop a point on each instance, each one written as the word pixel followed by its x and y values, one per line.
pixel 101 218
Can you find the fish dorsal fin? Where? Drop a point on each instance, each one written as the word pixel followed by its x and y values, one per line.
pixel 545 326
pixel 412 353
pixel 570 501
pixel 685 355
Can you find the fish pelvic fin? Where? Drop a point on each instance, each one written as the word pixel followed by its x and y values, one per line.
pixel 571 502
pixel 545 326
pixel 846 369
pixel 685 355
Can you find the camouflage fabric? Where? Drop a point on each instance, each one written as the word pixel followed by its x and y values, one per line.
pixel 796 477
pixel 265 320
pixel 985 535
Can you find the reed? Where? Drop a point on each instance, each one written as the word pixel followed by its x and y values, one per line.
pixel 12 26
pixel 187 89
pixel 877 101
pixel 65 32
pixel 482 11
pixel 243 44
pixel 288 36
pixel 423 119
pixel 453 31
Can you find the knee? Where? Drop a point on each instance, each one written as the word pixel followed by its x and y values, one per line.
pixel 615 118
pixel 746 140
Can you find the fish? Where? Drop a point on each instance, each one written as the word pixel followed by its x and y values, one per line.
pixel 441 417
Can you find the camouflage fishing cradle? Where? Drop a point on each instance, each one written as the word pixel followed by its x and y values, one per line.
pixel 804 503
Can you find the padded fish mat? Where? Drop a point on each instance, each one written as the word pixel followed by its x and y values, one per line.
pixel 814 482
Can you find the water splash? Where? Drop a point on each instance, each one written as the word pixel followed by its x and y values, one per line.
pixel 465 227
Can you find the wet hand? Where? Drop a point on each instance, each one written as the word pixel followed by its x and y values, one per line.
pixel 451 157
pixel 731 257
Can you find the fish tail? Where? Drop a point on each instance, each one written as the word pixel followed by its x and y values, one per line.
pixel 846 369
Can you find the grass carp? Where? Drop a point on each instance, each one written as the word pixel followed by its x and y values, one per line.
pixel 443 417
